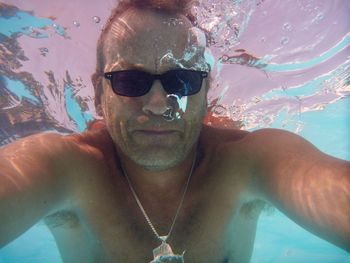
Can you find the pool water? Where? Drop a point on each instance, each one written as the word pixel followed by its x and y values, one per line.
pixel 291 70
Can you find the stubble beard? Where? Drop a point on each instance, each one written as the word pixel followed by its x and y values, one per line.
pixel 159 157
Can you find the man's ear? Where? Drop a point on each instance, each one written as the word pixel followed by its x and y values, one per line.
pixel 97 84
pixel 207 83
pixel 99 110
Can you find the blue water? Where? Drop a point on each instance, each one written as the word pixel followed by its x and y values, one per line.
pixel 19 90
pixel 75 112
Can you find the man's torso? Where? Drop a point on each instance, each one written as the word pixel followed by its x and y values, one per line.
pixel 101 222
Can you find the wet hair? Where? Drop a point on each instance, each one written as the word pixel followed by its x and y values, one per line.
pixel 163 6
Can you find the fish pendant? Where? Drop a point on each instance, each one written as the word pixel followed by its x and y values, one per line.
pixel 164 254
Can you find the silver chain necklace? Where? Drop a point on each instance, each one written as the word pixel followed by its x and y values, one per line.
pixel 163 253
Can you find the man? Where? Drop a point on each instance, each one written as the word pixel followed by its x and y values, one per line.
pixel 155 184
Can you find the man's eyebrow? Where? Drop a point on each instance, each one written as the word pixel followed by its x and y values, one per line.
pixel 122 64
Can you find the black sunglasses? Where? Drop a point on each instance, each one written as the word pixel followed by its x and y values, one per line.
pixel 135 83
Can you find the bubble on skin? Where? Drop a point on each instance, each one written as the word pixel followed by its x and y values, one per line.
pixel 209 58
pixel 182 102
pixel 189 54
pixel 178 106
pixel 173 22
pixel 168 115
pixel 169 58
pixel 199 35
pixel 196 46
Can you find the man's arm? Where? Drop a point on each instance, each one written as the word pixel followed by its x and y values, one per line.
pixel 31 183
pixel 309 186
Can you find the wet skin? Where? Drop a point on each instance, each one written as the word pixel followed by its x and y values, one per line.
pixel 78 187
pixel 218 215
pixel 76 183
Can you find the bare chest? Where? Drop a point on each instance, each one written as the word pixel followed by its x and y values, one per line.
pixel 111 228
pixel 215 223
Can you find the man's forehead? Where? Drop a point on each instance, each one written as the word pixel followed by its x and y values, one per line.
pixel 134 27
pixel 152 19
pixel 153 39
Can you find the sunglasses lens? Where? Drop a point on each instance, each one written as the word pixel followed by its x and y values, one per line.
pixel 131 83
pixel 182 82
pixel 135 83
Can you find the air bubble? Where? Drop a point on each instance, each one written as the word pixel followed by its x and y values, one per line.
pixel 76 23
pixel 284 40
pixel 287 27
pixel 319 16
pixel 43 51
pixel 225 58
pixel 220 110
pixel 257 100
pixel 96 19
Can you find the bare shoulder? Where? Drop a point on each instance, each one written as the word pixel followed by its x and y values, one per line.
pixel 51 156
pixel 279 144
pixel 257 144
pixel 225 150
pixel 275 136
pixel 215 136
pixel 91 144
pixel 38 151
pixel 36 179
pixel 249 153
pixel 225 146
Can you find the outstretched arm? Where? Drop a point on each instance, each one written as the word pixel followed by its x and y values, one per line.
pixel 309 186
pixel 31 183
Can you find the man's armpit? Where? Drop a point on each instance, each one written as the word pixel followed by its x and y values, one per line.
pixel 66 219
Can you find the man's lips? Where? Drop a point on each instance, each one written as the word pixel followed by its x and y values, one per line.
pixel 155 132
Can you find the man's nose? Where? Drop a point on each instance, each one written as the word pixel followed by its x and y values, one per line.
pixel 156 101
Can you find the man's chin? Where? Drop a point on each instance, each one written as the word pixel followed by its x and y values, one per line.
pixel 158 159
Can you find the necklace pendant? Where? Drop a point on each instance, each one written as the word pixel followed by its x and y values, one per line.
pixel 164 254
pixel 163 250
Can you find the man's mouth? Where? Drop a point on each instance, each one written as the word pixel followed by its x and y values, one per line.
pixel 156 132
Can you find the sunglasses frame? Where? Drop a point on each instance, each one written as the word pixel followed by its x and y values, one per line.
pixel 109 76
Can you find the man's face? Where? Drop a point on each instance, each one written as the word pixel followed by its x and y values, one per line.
pixel 154 43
